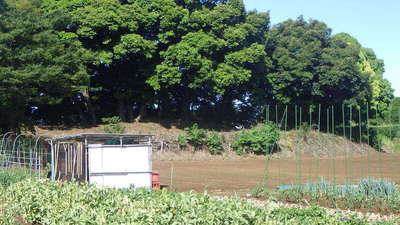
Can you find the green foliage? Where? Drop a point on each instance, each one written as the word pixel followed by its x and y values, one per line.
pixel 37 68
pixel 385 137
pixel 13 175
pixel 261 190
pixel 388 131
pixel 259 140
pixel 181 139
pixel 47 202
pixel 111 120
pixel 304 131
pixel 171 58
pixel 196 136
pixel 367 194
pixel 112 125
pixel 201 138
pixel 310 215
pixel 214 143
pixel 377 187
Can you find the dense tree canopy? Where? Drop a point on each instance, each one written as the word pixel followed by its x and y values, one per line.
pixel 37 67
pixel 73 62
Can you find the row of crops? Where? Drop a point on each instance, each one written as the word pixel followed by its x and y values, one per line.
pixel 41 201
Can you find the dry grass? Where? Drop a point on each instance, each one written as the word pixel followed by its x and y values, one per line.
pixel 313 144
pixel 200 156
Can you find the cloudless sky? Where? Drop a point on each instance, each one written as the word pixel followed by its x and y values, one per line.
pixel 375 24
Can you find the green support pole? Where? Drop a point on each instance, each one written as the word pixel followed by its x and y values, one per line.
pixel 319 117
pixel 368 142
pixel 351 141
pixel 333 120
pixel 295 117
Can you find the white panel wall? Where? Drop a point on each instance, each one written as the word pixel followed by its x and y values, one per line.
pixel 142 180
pixel 120 166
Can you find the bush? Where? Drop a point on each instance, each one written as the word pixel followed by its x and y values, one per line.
pixel 182 141
pixel 196 136
pixel 258 140
pixel 201 138
pixel 113 125
pixel 214 143
pixel 388 131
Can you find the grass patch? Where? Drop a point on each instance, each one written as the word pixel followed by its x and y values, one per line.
pixel 10 176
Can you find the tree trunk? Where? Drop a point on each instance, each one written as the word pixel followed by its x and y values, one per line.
pixel 81 112
pixel 88 103
pixel 185 106
pixel 142 112
pixel 129 112
pixel 121 109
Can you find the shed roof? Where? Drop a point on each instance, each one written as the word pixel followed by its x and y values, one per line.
pixel 98 136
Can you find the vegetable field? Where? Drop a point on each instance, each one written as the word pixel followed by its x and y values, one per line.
pixel 45 202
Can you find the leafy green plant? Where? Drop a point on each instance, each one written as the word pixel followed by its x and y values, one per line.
pixel 214 142
pixel 201 138
pixel 47 202
pixel 367 194
pixel 181 139
pixel 9 176
pixel 196 136
pixel 257 140
pixel 112 125
pixel 261 190
pixel 377 187
pixel 294 195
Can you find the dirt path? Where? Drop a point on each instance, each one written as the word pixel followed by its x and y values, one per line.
pixel 240 176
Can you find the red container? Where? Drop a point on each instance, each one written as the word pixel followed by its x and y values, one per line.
pixel 156 181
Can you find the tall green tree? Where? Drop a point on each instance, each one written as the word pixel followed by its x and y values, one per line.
pixel 37 67
pixel 210 64
pixel 126 38
pixel 309 65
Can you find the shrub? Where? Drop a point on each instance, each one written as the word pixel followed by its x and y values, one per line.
pixel 182 141
pixel 388 131
pixel 201 138
pixel 214 143
pixel 196 136
pixel 258 140
pixel 113 125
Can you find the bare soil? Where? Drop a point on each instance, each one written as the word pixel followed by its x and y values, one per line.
pixel 240 176
pixel 321 155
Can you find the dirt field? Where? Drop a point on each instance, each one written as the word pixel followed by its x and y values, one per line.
pixel 240 176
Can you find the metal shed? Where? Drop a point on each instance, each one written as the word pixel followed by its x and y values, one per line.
pixel 106 160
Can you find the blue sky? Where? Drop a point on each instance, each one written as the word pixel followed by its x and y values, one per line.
pixel 376 24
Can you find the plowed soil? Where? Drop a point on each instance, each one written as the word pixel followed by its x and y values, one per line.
pixel 240 176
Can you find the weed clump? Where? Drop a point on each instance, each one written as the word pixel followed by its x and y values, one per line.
pixel 112 125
